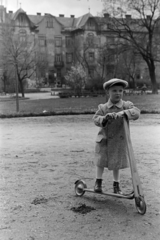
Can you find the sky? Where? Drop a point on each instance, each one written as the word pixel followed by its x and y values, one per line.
pixel 55 7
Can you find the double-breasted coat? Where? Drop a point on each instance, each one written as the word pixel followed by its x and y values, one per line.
pixel 111 148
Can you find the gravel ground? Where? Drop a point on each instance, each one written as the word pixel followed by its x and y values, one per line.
pixel 40 160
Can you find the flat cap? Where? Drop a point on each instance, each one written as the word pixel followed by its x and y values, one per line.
pixel 115 81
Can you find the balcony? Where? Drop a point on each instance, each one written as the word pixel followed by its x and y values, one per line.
pixel 59 64
pixel 91 63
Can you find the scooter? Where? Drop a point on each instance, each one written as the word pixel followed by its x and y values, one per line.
pixel 137 194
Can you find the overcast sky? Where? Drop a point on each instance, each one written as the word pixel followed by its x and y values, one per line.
pixel 55 7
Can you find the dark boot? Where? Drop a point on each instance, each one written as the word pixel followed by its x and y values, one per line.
pixel 116 188
pixel 98 186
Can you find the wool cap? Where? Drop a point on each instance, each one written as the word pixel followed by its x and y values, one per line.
pixel 114 81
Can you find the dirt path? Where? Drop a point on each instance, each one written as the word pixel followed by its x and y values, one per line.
pixel 41 158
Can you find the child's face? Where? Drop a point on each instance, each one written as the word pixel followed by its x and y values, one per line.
pixel 116 93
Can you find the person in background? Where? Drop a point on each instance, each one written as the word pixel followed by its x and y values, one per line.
pixel 143 88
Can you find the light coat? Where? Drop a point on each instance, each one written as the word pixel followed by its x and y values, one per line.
pixel 111 148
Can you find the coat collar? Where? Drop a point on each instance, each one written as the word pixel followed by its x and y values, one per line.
pixel 118 105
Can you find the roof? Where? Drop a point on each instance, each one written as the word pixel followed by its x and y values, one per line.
pixel 74 23
pixel 66 22
pixel 81 21
pixel 19 11
pixel 36 18
pixel 15 15
pixel 120 23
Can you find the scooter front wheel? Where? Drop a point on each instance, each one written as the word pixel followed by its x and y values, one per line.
pixel 140 205
pixel 80 185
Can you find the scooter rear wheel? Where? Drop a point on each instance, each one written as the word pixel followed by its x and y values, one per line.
pixel 140 205
pixel 80 185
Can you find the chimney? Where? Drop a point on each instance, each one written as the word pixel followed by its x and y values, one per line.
pixel 72 16
pixel 106 15
pixel 61 15
pixel 38 13
pixel 128 16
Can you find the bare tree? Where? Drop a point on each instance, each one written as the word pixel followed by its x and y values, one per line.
pixel 129 66
pixel 80 50
pixel 141 32
pixel 106 61
pixel 20 55
pixel 112 59
pixel 6 77
pixel 42 65
pixel 76 78
pixel 87 54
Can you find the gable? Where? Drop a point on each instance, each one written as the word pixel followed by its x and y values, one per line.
pixel 91 24
pixel 21 19
pixel 82 20
pixel 49 25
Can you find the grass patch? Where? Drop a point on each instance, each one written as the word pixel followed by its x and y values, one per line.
pixel 45 107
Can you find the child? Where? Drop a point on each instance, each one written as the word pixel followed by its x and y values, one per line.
pixel 111 149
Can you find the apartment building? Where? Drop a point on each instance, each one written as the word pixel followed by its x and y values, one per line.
pixel 2 20
pixel 61 38
pixel 61 41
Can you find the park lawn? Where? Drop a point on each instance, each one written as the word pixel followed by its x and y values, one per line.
pixel 146 103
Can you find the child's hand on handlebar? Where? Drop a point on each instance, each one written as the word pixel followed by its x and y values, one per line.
pixel 119 115
pixel 110 116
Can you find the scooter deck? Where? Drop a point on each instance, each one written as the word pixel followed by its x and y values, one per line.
pixel 127 196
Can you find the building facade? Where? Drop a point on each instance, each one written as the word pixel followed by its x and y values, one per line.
pixel 2 21
pixel 62 41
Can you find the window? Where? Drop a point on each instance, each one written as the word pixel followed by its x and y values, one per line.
pixel 58 58
pixel 91 72
pixel 111 39
pixel 111 56
pixel 68 41
pixel 41 57
pixel 21 20
pixel 49 22
pixel 91 56
pixel 58 41
pixel 109 26
pixel 58 74
pixel 42 42
pixel 22 35
pixel 91 24
pixel 69 57
pixel 90 39
pixel 110 68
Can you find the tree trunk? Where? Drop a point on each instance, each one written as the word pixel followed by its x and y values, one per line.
pixel 21 87
pixel 5 85
pixel 132 85
pixel 153 78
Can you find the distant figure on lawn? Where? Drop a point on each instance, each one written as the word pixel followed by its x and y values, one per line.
pixel 143 88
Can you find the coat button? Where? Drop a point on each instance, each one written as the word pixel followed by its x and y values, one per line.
pixel 121 137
